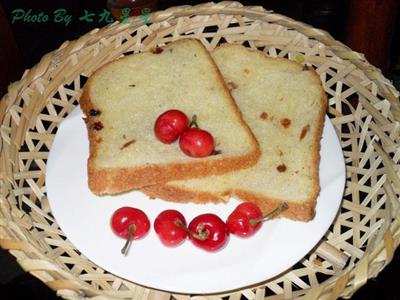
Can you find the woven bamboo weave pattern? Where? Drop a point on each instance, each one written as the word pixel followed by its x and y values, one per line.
pixel 363 106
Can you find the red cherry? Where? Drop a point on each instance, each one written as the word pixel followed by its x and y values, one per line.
pixel 247 218
pixel 170 225
pixel 239 221
pixel 208 232
pixel 170 125
pixel 129 223
pixel 196 142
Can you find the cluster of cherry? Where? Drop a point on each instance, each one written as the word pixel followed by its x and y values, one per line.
pixel 193 141
pixel 206 231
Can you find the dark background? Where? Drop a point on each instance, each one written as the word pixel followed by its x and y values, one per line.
pixel 368 26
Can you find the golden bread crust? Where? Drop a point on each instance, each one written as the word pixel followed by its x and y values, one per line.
pixel 182 195
pixel 115 181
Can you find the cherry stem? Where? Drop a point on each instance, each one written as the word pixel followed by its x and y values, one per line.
pixel 202 235
pixel 131 230
pixel 193 122
pixel 271 214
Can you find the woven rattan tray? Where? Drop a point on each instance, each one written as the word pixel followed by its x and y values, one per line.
pixel 363 106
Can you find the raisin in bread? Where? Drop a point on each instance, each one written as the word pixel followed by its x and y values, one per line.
pixel 284 104
pixel 123 99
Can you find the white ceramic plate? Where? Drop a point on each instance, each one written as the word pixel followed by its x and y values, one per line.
pixel 85 218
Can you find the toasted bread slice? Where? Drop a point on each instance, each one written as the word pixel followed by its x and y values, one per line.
pixel 123 99
pixel 284 104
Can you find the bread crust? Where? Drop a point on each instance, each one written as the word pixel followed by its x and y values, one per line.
pixel 119 180
pixel 304 211
pixel 182 195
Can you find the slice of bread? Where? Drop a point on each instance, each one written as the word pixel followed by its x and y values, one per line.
pixel 123 99
pixel 284 104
